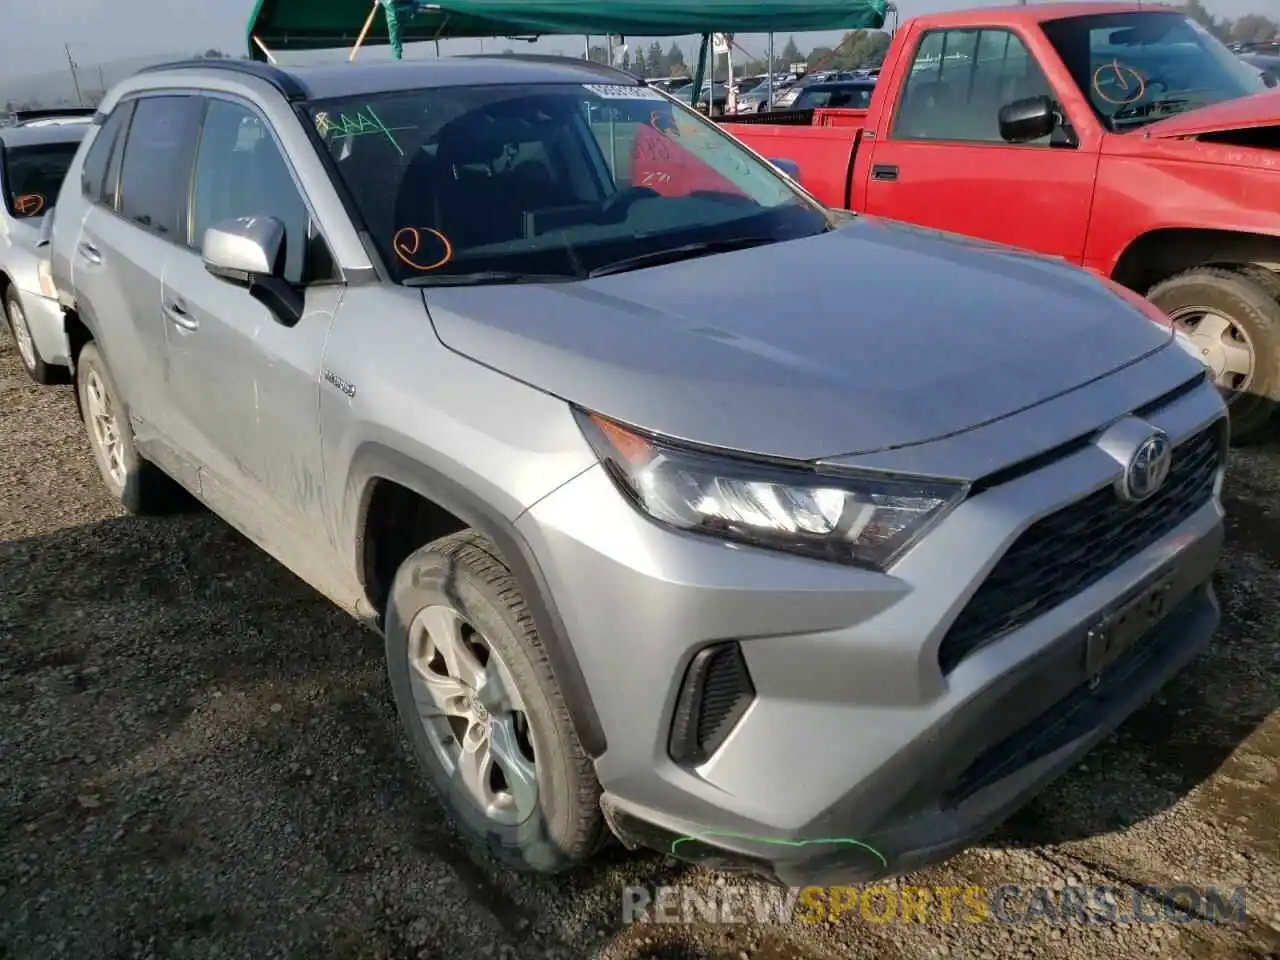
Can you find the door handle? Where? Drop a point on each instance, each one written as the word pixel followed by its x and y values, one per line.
pixel 884 171
pixel 177 313
pixel 89 252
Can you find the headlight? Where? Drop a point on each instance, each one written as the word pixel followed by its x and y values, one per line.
pixel 864 519
pixel 44 273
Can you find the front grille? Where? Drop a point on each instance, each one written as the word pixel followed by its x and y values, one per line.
pixel 1069 551
pixel 716 692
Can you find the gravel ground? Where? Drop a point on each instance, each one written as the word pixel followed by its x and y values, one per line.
pixel 200 759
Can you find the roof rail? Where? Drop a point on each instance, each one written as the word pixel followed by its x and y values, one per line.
pixel 602 69
pixel 25 116
pixel 285 82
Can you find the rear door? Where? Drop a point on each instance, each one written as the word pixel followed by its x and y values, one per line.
pixel 939 160
pixel 244 388
pixel 125 240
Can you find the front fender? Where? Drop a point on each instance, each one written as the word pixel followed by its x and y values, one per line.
pixel 377 461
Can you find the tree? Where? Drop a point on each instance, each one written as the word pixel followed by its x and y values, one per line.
pixel 214 54
pixel 675 60
pixel 1254 28
pixel 597 54
pixel 655 59
pixel 640 66
pixel 791 53
pixel 626 61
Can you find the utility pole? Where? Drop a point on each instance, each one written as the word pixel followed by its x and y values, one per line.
pixel 75 80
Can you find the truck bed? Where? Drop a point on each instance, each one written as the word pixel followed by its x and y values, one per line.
pixel 821 142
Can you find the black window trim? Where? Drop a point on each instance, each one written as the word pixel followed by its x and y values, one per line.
pixel 315 229
pixel 892 136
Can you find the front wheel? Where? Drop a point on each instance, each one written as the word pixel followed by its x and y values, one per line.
pixel 36 368
pixel 483 711
pixel 1230 317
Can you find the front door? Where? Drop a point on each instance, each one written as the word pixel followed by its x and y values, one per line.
pixel 245 387
pixel 940 160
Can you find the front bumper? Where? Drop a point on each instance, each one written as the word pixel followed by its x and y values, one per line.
pixel 857 755
pixel 965 786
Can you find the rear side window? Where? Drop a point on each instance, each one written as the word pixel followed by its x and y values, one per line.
pixel 156 171
pixel 93 175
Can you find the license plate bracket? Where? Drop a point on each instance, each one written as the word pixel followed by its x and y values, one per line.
pixel 1119 630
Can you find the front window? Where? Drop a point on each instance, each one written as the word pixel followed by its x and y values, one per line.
pixel 1135 68
pixel 33 175
pixel 549 182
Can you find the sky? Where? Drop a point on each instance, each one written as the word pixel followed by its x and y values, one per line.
pixel 102 30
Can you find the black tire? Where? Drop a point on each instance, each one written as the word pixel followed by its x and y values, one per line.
pixel 146 489
pixel 465 571
pixel 37 369
pixel 1249 297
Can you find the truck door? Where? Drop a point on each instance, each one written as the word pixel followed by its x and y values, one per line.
pixel 939 160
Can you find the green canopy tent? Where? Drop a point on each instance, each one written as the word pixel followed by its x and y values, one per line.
pixel 326 24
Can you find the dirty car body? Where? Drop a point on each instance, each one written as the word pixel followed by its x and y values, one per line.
pixel 752 475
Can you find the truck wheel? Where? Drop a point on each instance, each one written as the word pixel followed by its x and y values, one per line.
pixel 1231 316
pixel 36 368
pixel 483 711
pixel 139 485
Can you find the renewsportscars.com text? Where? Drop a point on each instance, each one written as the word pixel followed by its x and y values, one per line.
pixel 1009 903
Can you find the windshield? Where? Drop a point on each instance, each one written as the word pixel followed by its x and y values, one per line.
pixel 33 176
pixel 552 181
pixel 1136 68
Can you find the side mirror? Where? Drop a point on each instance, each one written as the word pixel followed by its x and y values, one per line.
pixel 1028 119
pixel 789 167
pixel 250 252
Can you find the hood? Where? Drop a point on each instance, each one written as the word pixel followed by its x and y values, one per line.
pixel 1245 113
pixel 869 337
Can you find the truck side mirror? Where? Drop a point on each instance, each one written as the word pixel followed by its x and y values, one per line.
pixel 1028 119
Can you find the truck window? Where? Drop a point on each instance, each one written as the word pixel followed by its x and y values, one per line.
pixel 958 82
pixel 1138 67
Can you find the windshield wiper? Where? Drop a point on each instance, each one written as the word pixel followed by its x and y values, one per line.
pixel 674 254
pixel 487 278
pixel 1155 109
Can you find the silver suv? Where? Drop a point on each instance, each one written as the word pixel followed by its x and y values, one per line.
pixel 690 510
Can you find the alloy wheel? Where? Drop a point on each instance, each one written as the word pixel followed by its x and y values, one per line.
pixel 473 714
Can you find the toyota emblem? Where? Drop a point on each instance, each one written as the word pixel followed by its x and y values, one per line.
pixel 1147 468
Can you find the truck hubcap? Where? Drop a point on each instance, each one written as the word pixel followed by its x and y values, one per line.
pixel 1222 346
pixel 472 714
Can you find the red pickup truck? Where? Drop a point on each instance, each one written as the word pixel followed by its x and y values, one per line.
pixel 1122 137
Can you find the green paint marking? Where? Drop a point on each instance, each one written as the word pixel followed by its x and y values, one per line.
pixel 779 842
pixel 364 123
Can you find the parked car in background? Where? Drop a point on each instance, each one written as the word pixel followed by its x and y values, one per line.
pixel 33 162
pixel 1122 137
pixel 850 94
pixel 697 467
pixel 715 97
pixel 53 116
pixel 1267 64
